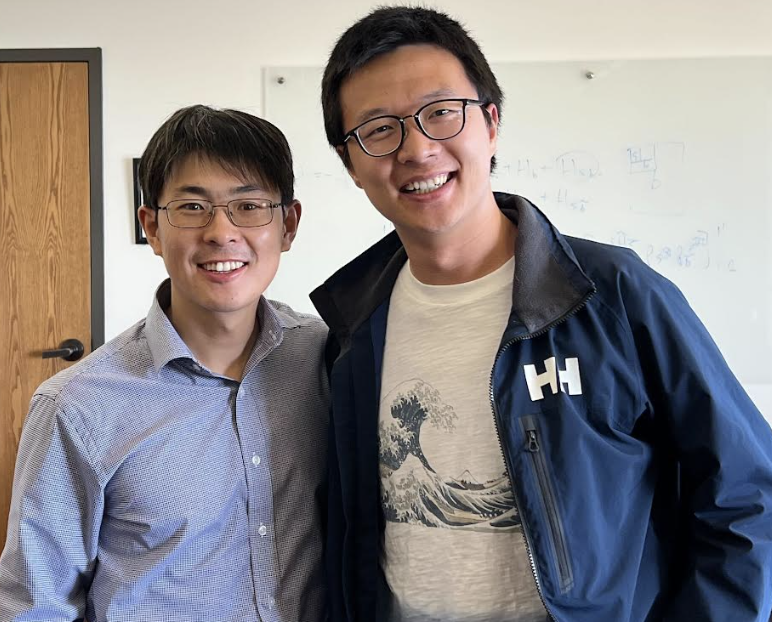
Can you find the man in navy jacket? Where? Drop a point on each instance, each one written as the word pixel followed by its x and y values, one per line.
pixel 525 426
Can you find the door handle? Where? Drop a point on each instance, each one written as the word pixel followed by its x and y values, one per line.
pixel 69 350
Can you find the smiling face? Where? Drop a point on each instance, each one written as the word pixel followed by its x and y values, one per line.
pixel 427 187
pixel 218 270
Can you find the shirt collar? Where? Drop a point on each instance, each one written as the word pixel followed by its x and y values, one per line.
pixel 163 340
pixel 166 345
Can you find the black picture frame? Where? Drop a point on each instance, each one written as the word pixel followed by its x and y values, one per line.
pixel 139 232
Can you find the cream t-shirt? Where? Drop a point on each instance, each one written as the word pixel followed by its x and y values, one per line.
pixel 454 549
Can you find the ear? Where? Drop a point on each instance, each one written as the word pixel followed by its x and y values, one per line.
pixel 148 218
pixel 341 149
pixel 290 225
pixel 493 126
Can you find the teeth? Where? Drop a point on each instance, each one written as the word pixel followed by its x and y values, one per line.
pixel 223 266
pixel 426 185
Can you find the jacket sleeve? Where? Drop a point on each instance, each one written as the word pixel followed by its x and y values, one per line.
pixel 53 526
pixel 724 449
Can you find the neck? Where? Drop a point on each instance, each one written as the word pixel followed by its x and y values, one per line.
pixel 471 252
pixel 221 342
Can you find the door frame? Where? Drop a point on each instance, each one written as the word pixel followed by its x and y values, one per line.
pixel 93 57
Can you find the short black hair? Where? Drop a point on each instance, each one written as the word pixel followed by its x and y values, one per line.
pixel 243 144
pixel 383 31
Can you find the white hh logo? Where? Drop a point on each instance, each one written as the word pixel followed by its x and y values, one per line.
pixel 568 377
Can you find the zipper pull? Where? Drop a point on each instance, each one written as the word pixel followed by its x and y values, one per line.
pixel 533 443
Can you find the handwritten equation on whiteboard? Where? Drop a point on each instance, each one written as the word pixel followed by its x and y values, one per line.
pixel 578 180
pixel 701 251
pixel 648 180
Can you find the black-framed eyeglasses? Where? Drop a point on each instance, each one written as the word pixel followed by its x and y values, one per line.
pixel 198 213
pixel 438 120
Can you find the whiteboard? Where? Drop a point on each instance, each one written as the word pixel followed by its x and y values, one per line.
pixel 670 157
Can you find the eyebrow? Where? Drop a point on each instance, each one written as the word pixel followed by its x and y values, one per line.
pixel 203 192
pixel 441 93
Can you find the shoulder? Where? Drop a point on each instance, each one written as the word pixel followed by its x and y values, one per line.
pixel 303 345
pixel 617 270
pixel 310 325
pixel 645 305
pixel 117 358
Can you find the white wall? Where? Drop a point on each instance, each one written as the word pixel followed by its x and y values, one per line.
pixel 161 55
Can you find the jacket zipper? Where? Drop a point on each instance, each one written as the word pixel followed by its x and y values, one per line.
pixel 507 460
pixel 518 505
pixel 550 503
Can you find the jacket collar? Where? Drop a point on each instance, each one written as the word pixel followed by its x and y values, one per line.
pixel 549 283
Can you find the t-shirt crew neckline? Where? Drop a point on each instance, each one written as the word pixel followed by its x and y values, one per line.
pixel 458 293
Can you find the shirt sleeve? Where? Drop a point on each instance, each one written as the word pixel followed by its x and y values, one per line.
pixel 724 450
pixel 53 526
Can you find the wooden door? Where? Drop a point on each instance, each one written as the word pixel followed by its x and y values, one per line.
pixel 45 280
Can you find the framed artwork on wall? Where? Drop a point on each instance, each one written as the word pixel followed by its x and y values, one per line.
pixel 139 233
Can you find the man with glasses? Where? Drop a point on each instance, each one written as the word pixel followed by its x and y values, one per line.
pixel 525 426
pixel 174 473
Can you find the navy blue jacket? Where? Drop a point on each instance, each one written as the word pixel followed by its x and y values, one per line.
pixel 641 470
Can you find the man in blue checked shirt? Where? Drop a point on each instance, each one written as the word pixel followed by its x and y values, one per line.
pixel 173 474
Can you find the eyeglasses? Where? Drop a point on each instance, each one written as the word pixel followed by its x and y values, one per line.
pixel 438 120
pixel 198 213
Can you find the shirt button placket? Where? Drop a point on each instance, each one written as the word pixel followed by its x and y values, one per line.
pixel 261 503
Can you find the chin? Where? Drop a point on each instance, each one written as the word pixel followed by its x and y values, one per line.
pixel 434 223
pixel 232 306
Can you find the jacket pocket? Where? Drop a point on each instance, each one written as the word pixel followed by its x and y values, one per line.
pixel 555 531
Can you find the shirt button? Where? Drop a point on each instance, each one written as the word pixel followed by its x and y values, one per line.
pixel 262 530
pixel 255 459
pixel 271 603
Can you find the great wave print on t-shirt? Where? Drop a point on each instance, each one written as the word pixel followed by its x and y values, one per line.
pixel 413 491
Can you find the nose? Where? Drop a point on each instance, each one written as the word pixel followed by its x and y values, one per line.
pixel 220 229
pixel 416 145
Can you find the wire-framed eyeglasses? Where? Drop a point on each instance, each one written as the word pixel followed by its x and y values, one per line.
pixel 198 213
pixel 438 120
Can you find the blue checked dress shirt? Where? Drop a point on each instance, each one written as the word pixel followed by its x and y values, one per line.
pixel 149 489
